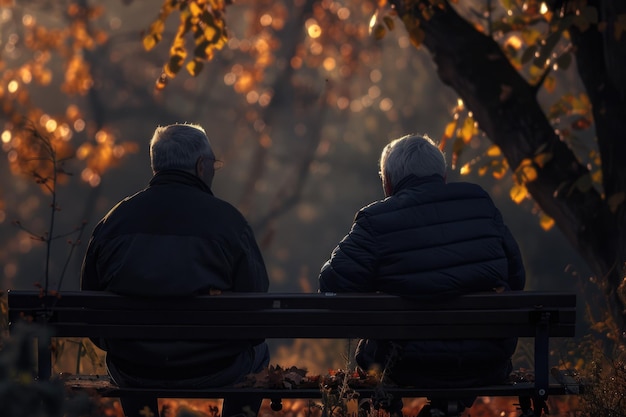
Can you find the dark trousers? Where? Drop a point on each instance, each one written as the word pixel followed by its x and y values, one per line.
pixel 147 406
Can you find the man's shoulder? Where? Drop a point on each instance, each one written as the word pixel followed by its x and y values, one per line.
pixel 378 207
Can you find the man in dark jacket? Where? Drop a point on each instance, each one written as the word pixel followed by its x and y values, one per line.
pixel 430 240
pixel 175 238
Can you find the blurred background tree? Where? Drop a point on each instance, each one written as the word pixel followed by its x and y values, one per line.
pixel 299 97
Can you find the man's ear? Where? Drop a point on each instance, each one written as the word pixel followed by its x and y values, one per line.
pixel 387 188
pixel 200 166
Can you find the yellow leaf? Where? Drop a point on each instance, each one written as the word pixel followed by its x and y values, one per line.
pixel 379 32
pixel 526 171
pixel 465 169
pixel 467 131
pixel 149 42
pixel 146 412
pixel 541 159
pixel 194 8
pixel 518 193
pixel 546 222
pixel 500 168
pixel 531 35
pixel 550 84
pixel 194 67
pixel 389 22
pixel 529 173
pixel 209 33
pixel 417 36
pixel 483 170
pixel 161 82
pixel 494 150
pixel 615 200
pixel 596 176
pixel 449 130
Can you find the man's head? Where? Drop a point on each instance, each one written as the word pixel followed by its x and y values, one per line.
pixel 184 147
pixel 410 154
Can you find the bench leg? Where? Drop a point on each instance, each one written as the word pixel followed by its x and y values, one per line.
pixel 241 406
pixel 442 408
pixel 140 406
pixel 532 407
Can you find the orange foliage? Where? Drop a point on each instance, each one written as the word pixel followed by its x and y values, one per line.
pixel 27 124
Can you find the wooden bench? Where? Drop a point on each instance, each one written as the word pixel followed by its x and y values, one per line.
pixel 539 315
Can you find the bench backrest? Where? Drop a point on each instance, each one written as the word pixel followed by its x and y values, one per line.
pixel 326 315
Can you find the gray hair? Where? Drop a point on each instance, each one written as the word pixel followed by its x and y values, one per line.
pixel 178 146
pixel 411 154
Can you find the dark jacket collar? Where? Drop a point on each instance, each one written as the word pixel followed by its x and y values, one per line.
pixel 411 181
pixel 176 176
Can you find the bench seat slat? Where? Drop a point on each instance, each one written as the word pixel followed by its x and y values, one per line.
pixel 261 331
pixel 258 301
pixel 508 390
pixel 279 317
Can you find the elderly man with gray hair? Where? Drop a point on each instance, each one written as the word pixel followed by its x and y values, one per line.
pixel 430 240
pixel 175 238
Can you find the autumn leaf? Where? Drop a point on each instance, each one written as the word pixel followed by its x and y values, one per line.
pixel 581 123
pixel 518 193
pixel 494 150
pixel 468 129
pixel 615 200
pixel 546 222
pixel 457 149
pixel 483 170
pixel 549 84
pixel 526 171
pixel 389 22
pixel 541 159
pixel 194 67
pixel 500 168
pixel 379 32
pixel 450 128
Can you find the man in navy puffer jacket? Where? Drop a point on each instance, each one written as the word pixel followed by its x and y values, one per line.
pixel 430 240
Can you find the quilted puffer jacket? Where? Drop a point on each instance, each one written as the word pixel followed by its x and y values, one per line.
pixel 430 240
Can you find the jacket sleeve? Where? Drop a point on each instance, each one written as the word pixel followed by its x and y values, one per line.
pixel 353 263
pixel 517 272
pixel 89 278
pixel 89 274
pixel 250 273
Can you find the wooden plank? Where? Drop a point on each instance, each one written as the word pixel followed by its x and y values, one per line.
pixel 294 317
pixel 104 387
pixel 270 330
pixel 256 301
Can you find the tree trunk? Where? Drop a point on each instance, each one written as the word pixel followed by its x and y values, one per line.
pixel 507 110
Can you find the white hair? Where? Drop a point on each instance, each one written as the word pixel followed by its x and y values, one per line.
pixel 411 154
pixel 178 146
